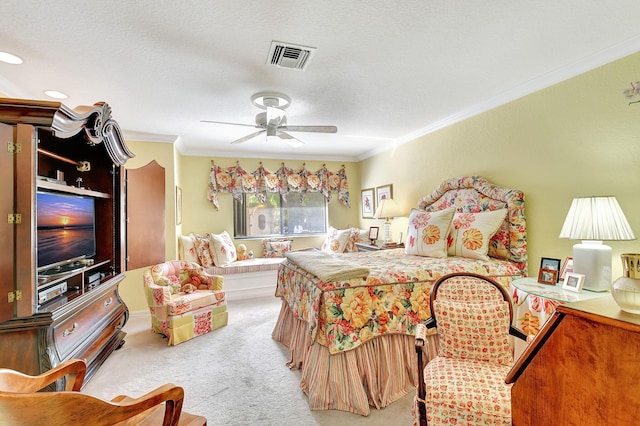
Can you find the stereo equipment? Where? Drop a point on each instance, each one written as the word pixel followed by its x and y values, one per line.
pixel 94 277
pixel 49 293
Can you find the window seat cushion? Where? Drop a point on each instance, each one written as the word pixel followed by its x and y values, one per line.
pixel 257 264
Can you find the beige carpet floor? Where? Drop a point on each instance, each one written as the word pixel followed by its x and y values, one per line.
pixel 235 375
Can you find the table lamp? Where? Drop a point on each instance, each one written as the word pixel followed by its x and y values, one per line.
pixel 387 209
pixel 593 220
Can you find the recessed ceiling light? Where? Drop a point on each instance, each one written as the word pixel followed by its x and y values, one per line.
pixel 10 58
pixel 55 94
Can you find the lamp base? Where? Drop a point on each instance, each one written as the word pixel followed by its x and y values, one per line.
pixel 387 231
pixel 593 260
pixel 626 293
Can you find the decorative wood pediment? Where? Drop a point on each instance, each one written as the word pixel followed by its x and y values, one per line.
pixel 95 121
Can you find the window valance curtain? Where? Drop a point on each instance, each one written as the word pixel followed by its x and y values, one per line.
pixel 237 181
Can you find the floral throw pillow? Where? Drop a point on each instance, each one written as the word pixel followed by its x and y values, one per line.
pixel 202 250
pixel 471 232
pixel 222 249
pixel 427 232
pixel 276 248
pixel 477 331
pixel 337 240
pixel 187 248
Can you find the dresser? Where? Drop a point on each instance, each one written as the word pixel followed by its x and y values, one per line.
pixel 581 368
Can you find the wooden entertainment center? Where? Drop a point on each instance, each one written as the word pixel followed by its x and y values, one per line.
pixel 74 311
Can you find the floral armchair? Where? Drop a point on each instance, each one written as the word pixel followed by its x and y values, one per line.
pixel 184 300
pixel 465 382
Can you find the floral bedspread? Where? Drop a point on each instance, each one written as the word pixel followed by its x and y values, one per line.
pixel 393 299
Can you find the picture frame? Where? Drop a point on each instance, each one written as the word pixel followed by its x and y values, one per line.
pixel 573 282
pixel 373 233
pixel 551 263
pixel 567 266
pixel 178 205
pixel 384 192
pixel 548 276
pixel 368 203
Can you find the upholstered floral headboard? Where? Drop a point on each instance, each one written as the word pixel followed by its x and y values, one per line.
pixel 472 194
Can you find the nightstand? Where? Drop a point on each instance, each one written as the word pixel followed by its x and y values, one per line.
pixel 369 247
pixel 534 303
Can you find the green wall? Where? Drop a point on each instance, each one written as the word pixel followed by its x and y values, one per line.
pixel 577 138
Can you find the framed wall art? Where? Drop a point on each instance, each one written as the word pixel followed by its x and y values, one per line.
pixel 368 203
pixel 384 192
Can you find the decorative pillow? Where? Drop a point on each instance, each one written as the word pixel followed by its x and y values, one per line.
pixel 474 330
pixel 222 249
pixel 170 281
pixel 337 240
pixel 427 232
pixel 203 251
pixel 500 243
pixel 276 248
pixel 471 232
pixel 187 248
pixel 357 236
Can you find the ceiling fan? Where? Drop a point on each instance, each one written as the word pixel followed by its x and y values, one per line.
pixel 273 120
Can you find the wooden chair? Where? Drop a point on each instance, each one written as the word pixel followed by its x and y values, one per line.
pixel 465 382
pixel 21 403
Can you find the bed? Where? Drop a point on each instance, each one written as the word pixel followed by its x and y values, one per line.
pixel 353 337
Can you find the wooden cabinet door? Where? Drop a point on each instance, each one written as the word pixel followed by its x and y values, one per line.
pixel 145 200
pixel 7 230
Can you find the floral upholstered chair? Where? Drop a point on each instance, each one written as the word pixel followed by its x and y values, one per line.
pixel 465 382
pixel 184 300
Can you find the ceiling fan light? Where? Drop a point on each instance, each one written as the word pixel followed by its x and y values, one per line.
pixel 274 116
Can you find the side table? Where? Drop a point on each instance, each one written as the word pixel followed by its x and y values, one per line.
pixel 534 303
pixel 370 247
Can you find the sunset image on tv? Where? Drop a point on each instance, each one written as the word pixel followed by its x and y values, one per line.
pixel 65 228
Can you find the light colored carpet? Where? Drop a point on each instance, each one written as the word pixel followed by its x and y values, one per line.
pixel 235 375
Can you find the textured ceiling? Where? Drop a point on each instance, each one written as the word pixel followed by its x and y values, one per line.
pixel 383 73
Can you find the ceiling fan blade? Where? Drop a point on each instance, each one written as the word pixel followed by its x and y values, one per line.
pixel 226 122
pixel 295 143
pixel 317 129
pixel 246 138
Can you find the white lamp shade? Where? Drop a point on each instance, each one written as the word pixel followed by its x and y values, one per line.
pixel 596 219
pixel 592 220
pixel 387 209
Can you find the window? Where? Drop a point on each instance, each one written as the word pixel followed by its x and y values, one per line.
pixel 276 216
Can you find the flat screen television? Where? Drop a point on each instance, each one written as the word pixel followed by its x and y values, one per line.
pixel 66 231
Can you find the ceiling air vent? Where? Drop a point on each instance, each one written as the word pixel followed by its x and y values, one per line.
pixel 287 55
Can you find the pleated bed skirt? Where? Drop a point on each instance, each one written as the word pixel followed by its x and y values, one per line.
pixel 374 374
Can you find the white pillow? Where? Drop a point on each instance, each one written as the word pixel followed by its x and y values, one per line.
pixel 337 240
pixel 471 232
pixel 222 249
pixel 187 248
pixel 427 232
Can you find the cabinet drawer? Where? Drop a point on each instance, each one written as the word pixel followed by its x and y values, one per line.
pixel 73 331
